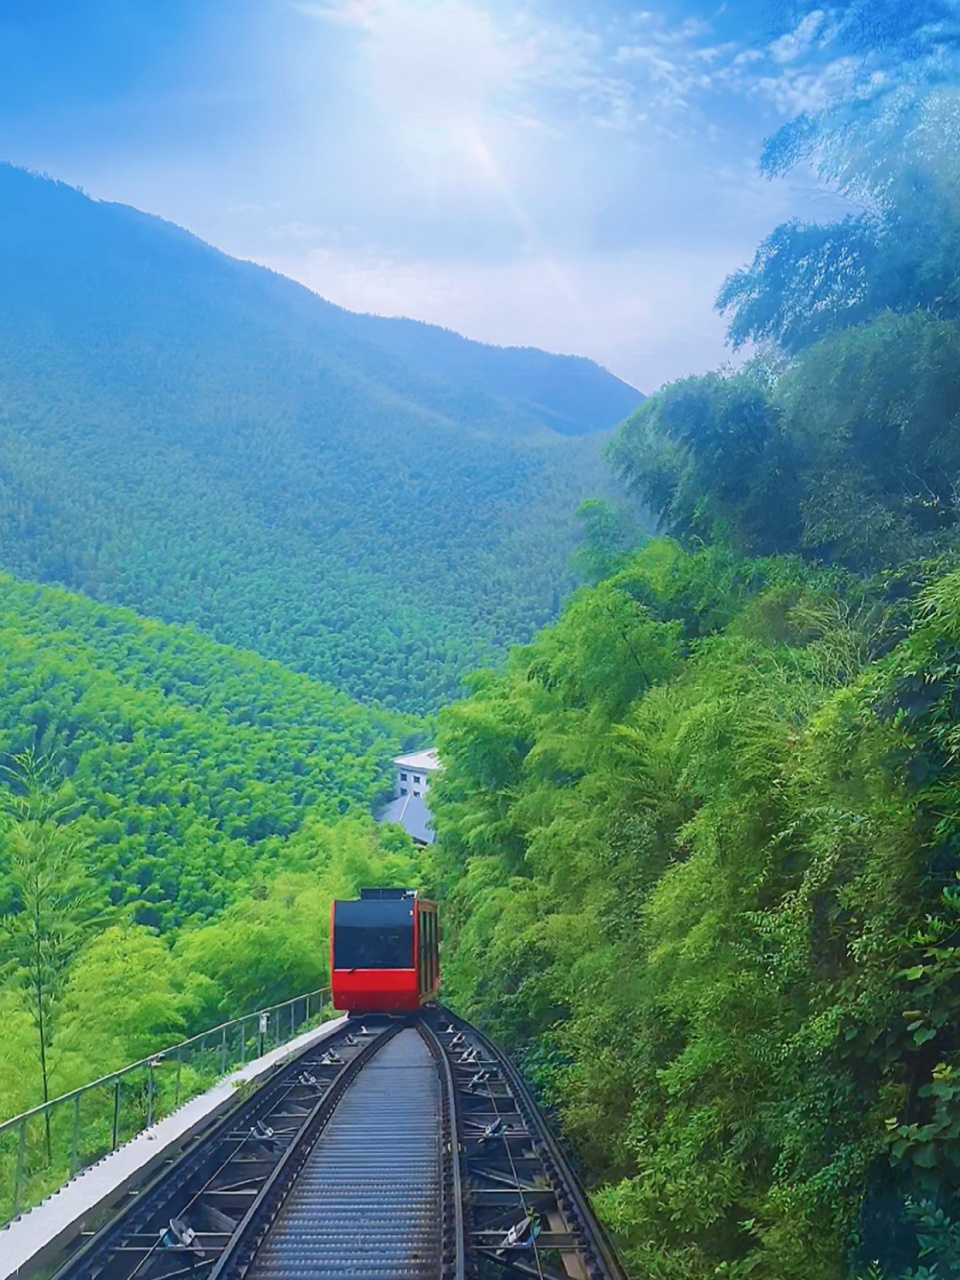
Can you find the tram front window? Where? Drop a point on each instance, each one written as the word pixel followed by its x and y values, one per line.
pixel 373 935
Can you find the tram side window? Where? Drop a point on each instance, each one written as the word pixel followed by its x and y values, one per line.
pixel 427 935
pixel 430 919
pixel 421 982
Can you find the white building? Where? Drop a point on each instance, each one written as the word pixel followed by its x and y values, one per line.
pixel 414 772
pixel 408 807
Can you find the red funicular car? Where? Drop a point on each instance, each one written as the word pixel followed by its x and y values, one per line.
pixel 385 952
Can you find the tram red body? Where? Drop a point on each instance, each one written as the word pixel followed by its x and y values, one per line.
pixel 384 952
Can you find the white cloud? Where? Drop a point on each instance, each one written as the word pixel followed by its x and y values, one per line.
pixel 348 13
pixel 581 183
pixel 796 43
pixel 797 89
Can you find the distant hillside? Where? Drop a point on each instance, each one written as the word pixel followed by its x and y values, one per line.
pixel 195 765
pixel 569 394
pixel 378 503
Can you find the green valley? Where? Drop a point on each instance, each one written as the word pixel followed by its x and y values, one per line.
pixel 194 767
pixel 691 664
pixel 170 807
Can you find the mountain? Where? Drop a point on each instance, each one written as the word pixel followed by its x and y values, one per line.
pixel 193 765
pixel 378 503
pixel 568 394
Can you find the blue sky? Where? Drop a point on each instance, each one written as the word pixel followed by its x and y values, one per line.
pixel 548 173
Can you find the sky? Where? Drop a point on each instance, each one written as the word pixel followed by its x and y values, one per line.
pixel 545 173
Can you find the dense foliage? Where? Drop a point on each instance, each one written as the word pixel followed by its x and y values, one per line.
pixel 175 819
pixel 207 442
pixel 701 838
pixel 850 455
pixel 87 990
pixel 193 766
pixel 701 844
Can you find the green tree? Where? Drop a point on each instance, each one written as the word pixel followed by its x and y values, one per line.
pixel 848 456
pixel 709 457
pixel 126 995
pixel 888 143
pixel 608 535
pixel 54 899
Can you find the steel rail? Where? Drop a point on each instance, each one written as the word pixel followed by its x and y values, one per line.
pixel 563 1195
pixel 366 1204
pixel 452 1206
pixel 259 1218
pixel 431 1162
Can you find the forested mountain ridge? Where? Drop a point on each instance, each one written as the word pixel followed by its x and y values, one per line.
pixel 206 441
pixel 568 396
pixel 62 249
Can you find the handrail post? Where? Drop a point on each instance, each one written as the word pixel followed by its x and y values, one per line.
pixel 21 1150
pixel 150 1092
pixel 223 1050
pixel 75 1141
pixel 176 1101
pixel 116 1112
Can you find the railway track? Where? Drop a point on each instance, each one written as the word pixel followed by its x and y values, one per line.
pixel 397 1150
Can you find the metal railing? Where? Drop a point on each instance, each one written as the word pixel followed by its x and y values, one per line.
pixel 42 1149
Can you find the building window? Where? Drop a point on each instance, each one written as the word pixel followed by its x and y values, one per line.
pixel 403 791
pixel 416 777
pixel 403 777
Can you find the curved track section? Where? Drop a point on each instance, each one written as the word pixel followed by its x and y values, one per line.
pixel 403 1151
pixel 525 1213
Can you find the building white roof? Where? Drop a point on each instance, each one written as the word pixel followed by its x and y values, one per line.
pixel 428 761
pixel 413 815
